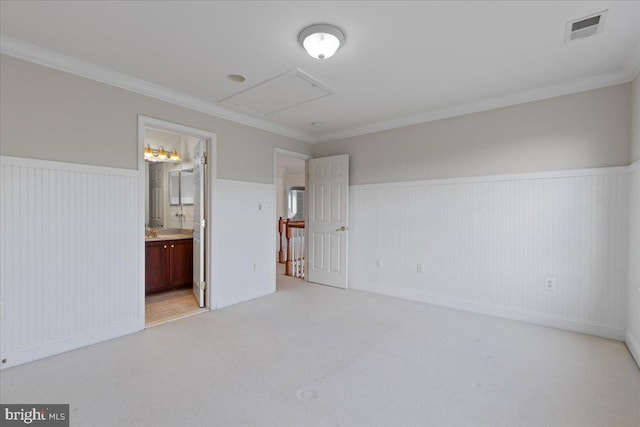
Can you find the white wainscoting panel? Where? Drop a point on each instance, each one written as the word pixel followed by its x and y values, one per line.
pixel 69 256
pixel 632 337
pixel 489 245
pixel 244 252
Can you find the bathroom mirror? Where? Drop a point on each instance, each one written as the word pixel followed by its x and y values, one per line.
pixel 186 187
pixel 181 187
pixel 174 188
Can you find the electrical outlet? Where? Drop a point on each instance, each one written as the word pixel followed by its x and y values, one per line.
pixel 550 283
pixel 254 266
pixel 259 206
pixel 378 262
pixel 420 268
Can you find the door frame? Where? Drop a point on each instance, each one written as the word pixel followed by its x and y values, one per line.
pixel 282 152
pixel 210 139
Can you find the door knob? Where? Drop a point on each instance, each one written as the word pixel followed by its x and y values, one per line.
pixel 343 228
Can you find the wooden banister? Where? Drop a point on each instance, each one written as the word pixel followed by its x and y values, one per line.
pixel 288 268
pixel 281 253
pixel 291 246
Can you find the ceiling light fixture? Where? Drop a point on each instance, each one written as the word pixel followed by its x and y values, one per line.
pixel 321 41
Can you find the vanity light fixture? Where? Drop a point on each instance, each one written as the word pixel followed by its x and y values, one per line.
pixel 148 152
pixel 321 41
pixel 174 156
pixel 160 155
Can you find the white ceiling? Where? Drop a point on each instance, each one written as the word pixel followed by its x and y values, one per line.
pixel 402 63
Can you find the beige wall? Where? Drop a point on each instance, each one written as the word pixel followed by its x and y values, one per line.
pixel 588 129
pixel 635 120
pixel 52 115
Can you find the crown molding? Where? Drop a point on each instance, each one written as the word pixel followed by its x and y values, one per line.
pixel 49 58
pixel 622 76
pixel 632 66
pixel 53 59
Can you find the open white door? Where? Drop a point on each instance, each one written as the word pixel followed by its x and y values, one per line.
pixel 328 221
pixel 199 164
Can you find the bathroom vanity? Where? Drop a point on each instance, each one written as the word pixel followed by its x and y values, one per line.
pixel 168 262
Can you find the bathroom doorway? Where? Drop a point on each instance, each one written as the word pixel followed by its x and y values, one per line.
pixel 177 202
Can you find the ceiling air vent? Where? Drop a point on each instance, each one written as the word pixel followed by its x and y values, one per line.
pixel 585 27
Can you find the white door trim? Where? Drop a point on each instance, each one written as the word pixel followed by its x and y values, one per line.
pixel 211 178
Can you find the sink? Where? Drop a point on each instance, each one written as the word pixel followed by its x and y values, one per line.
pixel 173 236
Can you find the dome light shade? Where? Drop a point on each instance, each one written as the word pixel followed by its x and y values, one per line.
pixel 148 152
pixel 321 41
pixel 162 155
pixel 174 156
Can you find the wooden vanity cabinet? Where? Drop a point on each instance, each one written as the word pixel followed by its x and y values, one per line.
pixel 181 263
pixel 168 265
pixel 156 261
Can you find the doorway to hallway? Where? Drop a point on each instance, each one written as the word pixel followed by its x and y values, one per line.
pixel 290 212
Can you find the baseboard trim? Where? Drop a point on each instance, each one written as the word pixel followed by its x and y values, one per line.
pixel 542 319
pixel 22 356
pixel 633 345
pixel 226 302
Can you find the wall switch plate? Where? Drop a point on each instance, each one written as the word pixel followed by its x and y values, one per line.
pixel 420 268
pixel 550 283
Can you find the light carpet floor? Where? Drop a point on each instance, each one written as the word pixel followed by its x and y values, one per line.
pixel 311 355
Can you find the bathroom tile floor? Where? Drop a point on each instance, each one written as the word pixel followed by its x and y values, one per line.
pixel 172 305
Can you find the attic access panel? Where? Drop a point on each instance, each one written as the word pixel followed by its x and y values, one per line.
pixel 278 94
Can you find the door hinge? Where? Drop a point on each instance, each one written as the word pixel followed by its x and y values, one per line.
pixel 204 158
pixel 203 285
pixel 203 223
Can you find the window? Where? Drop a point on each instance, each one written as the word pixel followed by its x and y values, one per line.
pixel 296 203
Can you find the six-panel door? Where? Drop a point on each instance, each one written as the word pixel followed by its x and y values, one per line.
pixel 328 220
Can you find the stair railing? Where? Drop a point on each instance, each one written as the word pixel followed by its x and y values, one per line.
pixel 291 250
